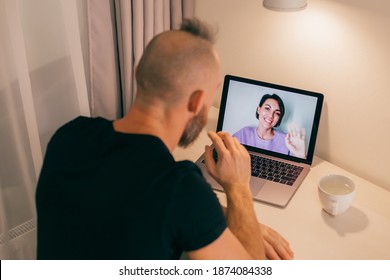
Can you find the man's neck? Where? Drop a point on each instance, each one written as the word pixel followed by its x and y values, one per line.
pixel 151 121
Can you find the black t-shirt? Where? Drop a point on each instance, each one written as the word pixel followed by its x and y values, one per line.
pixel 108 195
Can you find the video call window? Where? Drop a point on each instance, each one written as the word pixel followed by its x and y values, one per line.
pixel 243 100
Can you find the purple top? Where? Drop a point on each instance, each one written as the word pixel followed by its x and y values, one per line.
pixel 248 136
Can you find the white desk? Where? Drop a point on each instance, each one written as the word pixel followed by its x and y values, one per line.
pixel 362 232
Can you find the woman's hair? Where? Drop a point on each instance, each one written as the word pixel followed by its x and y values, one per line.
pixel 280 102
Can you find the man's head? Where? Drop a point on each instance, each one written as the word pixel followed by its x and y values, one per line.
pixel 176 62
pixel 179 66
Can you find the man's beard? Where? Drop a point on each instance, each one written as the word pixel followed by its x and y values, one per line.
pixel 193 129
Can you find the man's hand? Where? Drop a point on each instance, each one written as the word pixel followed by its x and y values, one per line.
pixel 276 246
pixel 233 167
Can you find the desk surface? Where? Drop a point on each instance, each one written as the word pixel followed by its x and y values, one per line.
pixel 362 232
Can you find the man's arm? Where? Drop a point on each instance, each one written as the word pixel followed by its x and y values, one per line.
pixel 232 171
pixel 276 246
pixel 225 247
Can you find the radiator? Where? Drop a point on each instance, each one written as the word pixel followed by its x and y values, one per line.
pixel 20 242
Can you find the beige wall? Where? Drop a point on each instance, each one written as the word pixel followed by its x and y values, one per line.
pixel 333 47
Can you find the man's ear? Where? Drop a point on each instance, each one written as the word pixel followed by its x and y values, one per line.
pixel 195 102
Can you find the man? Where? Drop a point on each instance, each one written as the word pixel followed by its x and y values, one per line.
pixel 112 190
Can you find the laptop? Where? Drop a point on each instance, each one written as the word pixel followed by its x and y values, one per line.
pixel 277 172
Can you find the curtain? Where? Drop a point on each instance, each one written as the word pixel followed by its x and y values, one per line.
pixel 42 86
pixel 44 82
pixel 119 30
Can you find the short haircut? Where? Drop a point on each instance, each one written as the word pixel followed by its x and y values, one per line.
pixel 198 28
pixel 172 61
pixel 280 102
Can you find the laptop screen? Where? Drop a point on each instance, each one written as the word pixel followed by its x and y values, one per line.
pixel 272 119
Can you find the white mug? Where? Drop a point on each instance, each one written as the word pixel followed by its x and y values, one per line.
pixel 336 193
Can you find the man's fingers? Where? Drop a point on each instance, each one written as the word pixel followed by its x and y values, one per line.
pixel 227 140
pixel 224 142
pixel 209 160
pixel 238 144
pixel 270 252
pixel 217 141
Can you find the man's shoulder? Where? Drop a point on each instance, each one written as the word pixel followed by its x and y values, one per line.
pixel 185 168
pixel 184 176
pixel 82 122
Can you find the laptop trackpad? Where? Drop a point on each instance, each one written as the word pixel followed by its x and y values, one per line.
pixel 256 185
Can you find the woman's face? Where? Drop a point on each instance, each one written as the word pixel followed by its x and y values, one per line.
pixel 269 113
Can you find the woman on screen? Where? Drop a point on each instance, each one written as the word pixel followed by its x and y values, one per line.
pixel 270 112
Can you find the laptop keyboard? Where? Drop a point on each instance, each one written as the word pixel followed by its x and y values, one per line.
pixel 272 170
